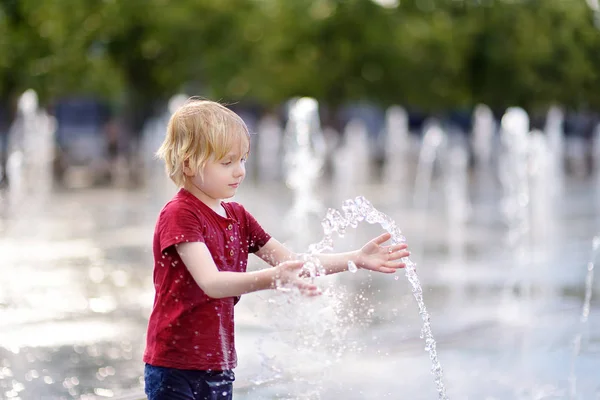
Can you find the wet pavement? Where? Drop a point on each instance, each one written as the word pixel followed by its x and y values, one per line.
pixel 76 292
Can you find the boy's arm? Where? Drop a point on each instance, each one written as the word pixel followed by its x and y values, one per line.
pixel 220 284
pixel 273 253
pixel 373 256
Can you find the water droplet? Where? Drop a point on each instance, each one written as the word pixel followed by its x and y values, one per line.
pixel 352 267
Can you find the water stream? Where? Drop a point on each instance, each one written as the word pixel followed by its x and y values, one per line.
pixel 353 212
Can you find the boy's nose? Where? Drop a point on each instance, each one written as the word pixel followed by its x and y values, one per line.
pixel 240 170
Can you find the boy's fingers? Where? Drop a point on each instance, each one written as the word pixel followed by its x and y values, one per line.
pixel 382 238
pixel 394 264
pixel 311 291
pixel 397 247
pixel 398 255
pixel 308 288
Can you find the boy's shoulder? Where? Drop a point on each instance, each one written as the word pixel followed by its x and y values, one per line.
pixel 180 203
pixel 177 201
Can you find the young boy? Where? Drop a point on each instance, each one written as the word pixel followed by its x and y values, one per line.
pixel 201 247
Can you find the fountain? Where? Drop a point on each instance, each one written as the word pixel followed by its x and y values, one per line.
pixel 397 146
pixel 555 135
pixel 483 143
pixel 434 139
pixel 358 340
pixel 303 166
pixel 352 160
pixel 30 151
pixel 458 204
pixel 304 157
pixel 585 312
pixel 513 172
pixel 484 128
pixel 353 212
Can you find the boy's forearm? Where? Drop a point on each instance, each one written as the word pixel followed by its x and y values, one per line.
pixel 232 284
pixel 338 262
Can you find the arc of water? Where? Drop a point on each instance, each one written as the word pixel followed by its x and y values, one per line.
pixel 353 212
pixel 585 312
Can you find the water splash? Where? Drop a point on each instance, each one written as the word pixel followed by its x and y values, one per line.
pixel 585 312
pixel 353 212
pixel 321 340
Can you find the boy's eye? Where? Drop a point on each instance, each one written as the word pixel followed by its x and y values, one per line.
pixel 226 162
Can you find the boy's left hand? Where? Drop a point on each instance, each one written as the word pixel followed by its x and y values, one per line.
pixel 376 257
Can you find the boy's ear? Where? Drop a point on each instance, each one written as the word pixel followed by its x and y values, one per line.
pixel 187 170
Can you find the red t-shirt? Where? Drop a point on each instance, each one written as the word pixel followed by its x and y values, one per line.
pixel 188 329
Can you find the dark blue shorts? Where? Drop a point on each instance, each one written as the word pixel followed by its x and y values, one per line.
pixel 178 384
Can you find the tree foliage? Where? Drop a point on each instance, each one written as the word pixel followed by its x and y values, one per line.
pixel 431 54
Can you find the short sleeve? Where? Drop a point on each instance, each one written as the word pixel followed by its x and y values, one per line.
pixel 257 237
pixel 178 224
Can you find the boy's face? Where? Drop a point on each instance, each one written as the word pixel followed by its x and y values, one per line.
pixel 220 178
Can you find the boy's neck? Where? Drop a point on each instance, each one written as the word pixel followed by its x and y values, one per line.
pixel 214 204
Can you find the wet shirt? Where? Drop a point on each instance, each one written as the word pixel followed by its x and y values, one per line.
pixel 188 329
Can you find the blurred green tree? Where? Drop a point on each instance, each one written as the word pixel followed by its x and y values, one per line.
pixel 52 51
pixel 533 53
pixel 431 54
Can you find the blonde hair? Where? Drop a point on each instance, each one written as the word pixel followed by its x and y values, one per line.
pixel 199 131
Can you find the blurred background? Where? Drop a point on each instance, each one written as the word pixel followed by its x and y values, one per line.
pixel 471 123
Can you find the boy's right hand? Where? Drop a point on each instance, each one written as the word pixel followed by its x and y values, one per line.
pixel 287 273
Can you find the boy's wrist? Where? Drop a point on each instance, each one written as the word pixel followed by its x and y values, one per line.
pixel 356 258
pixel 274 274
pixel 263 279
